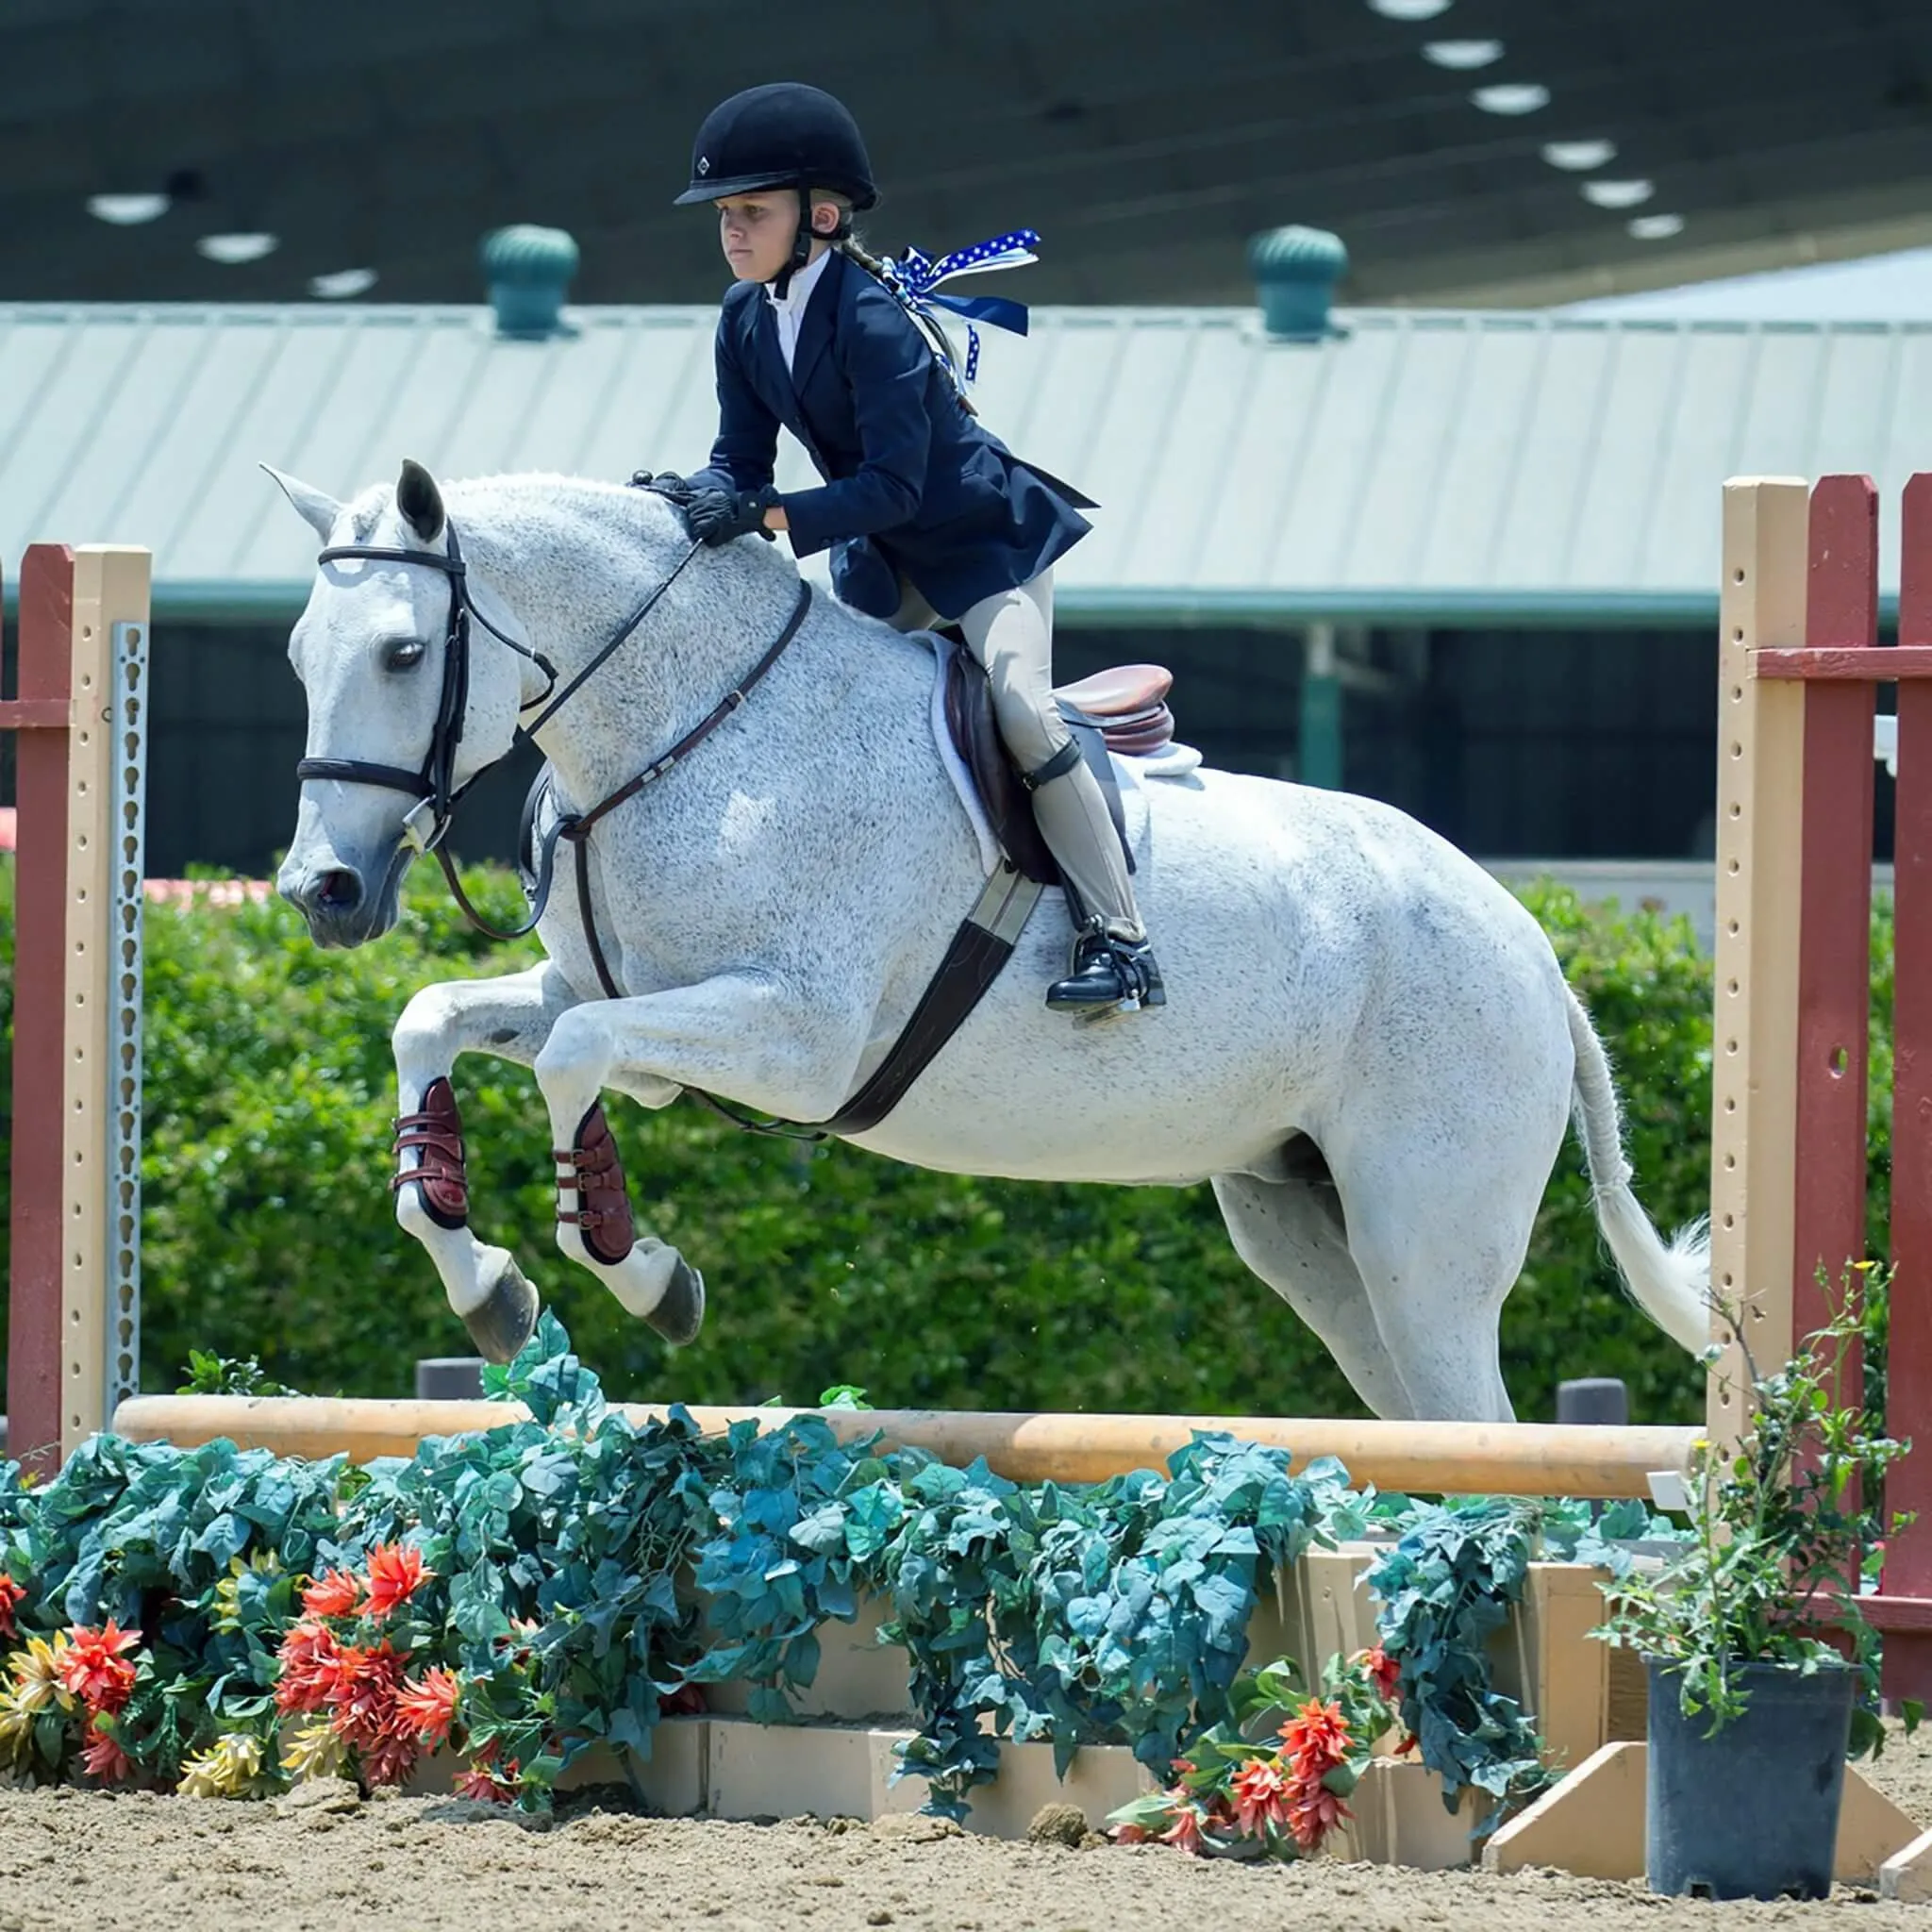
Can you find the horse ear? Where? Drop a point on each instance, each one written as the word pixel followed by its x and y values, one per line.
pixel 317 510
pixel 420 501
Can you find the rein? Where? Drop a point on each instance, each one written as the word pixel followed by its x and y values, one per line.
pixel 433 786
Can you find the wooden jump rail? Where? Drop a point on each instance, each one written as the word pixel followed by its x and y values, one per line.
pixel 1800 665
pixel 1463 1458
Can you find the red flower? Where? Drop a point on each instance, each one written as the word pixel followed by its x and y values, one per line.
pixel 1259 1791
pixel 1314 1813
pixel 1131 1834
pixel 430 1707
pixel 1316 1739
pixel 1383 1673
pixel 93 1668
pixel 10 1594
pixel 395 1571
pixel 393 1757
pixel 309 1656
pixel 478 1783
pixel 1184 1834
pixel 363 1698
pixel 102 1756
pixel 334 1595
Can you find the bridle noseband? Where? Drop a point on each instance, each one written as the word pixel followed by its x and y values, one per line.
pixel 434 784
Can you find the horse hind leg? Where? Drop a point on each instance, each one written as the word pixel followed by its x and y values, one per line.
pixel 1291 1232
pixel 1438 1231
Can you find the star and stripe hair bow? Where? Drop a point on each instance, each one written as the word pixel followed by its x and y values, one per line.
pixel 915 276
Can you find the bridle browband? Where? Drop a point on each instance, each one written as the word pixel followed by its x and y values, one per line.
pixel 433 784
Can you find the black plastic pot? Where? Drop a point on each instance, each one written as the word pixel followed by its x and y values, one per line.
pixel 1751 1812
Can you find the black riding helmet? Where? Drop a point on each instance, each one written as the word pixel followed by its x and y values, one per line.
pixel 782 134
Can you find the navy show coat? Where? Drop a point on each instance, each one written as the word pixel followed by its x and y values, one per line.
pixel 914 486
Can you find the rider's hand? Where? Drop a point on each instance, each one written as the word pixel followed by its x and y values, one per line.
pixel 716 516
pixel 667 483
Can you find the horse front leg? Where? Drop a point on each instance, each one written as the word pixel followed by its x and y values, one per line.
pixel 510 1017
pixel 737 1035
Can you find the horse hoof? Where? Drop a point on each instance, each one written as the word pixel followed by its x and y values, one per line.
pixel 681 1311
pixel 506 1318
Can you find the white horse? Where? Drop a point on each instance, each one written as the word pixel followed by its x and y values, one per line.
pixel 1369 1048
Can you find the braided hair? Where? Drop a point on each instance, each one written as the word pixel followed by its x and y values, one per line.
pixel 845 237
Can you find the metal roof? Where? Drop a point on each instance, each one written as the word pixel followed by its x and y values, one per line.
pixel 1493 151
pixel 1422 467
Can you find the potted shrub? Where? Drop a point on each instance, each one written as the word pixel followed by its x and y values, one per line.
pixel 1763 1673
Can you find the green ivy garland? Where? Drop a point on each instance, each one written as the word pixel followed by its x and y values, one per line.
pixel 586 1571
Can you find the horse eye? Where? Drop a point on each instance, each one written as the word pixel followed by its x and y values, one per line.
pixel 405 654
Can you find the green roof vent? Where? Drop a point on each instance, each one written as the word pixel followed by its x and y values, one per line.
pixel 1296 270
pixel 529 271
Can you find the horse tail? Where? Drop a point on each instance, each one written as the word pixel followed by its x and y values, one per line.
pixel 1671 1284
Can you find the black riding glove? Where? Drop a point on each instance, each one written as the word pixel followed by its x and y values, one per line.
pixel 716 516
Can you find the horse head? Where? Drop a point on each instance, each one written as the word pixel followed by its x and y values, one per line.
pixel 402 712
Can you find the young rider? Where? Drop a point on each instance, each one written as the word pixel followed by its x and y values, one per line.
pixel 929 517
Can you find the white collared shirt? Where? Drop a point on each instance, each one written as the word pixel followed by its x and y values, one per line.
pixel 790 310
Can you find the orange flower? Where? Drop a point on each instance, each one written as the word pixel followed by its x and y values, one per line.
pixel 102 1758
pixel 1131 1834
pixel 1314 1813
pixel 334 1595
pixel 10 1594
pixel 1317 1739
pixel 1257 1789
pixel 309 1655
pixel 1383 1673
pixel 478 1783
pixel 93 1668
pixel 430 1707
pixel 395 1571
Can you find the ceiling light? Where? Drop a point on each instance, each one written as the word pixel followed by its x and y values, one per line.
pixel 1656 227
pixel 1579 157
pixel 1511 97
pixel 1409 9
pixel 124 211
pixel 1461 57
pixel 1618 193
pixel 233 249
pixel 344 284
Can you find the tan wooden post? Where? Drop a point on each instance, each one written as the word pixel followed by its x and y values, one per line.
pixel 1761 813
pixel 100 1104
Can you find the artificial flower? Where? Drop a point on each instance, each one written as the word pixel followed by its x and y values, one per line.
pixel 94 1670
pixel 430 1706
pixel 308 1654
pixel 333 1596
pixel 312 1749
pixel 226 1770
pixel 10 1594
pixel 394 1571
pixel 39 1671
pixel 102 1758
pixel 1260 1793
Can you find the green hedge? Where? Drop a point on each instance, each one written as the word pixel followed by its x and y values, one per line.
pixel 268 1228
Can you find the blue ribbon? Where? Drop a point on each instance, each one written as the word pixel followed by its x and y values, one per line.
pixel 914 277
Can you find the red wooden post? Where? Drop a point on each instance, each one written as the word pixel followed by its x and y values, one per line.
pixel 40 718
pixel 1835 919
pixel 1909 1363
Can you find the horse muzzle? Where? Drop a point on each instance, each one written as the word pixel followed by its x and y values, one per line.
pixel 339 903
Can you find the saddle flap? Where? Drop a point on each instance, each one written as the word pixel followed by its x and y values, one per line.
pixel 976 736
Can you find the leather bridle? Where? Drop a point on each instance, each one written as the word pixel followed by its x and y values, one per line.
pixel 433 784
